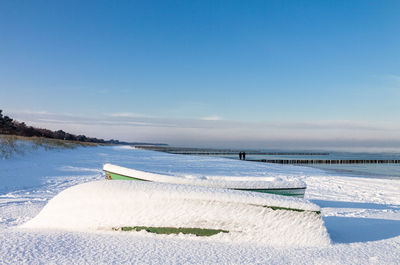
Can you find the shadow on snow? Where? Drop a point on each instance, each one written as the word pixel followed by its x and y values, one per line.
pixel 354 229
pixel 351 230
pixel 356 205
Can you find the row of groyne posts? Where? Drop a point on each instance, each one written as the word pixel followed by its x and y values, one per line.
pixel 328 161
pixel 295 161
pixel 197 151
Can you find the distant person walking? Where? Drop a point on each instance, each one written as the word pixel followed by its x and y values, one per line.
pixel 244 155
pixel 240 155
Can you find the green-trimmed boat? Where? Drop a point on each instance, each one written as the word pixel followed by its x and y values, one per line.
pixel 288 187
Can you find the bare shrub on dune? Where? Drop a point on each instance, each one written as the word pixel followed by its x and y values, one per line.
pixel 17 145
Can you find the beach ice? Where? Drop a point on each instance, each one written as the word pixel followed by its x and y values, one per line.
pixel 361 214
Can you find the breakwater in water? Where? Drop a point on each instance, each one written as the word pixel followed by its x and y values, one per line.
pixel 286 160
pixel 247 153
pixel 328 161
pixel 381 165
pixel 222 152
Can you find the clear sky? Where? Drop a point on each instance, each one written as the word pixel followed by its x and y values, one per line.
pixel 207 73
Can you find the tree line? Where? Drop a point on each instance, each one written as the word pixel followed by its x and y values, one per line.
pixel 13 127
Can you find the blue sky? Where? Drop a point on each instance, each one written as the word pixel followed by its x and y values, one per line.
pixel 215 71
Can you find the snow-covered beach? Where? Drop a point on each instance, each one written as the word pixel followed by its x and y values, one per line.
pixel 362 215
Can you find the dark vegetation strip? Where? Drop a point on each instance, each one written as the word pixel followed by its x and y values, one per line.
pixel 173 230
pixel 8 126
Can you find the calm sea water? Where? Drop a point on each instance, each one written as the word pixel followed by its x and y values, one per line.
pixel 364 170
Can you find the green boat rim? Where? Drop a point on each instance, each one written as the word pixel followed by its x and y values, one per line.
pixel 275 208
pixel 172 230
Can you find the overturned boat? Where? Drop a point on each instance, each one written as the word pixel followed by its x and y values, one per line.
pixel 163 208
pixel 274 185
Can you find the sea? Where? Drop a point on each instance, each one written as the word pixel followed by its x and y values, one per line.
pixel 390 170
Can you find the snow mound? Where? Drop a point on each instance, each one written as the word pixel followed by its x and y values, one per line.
pixel 249 217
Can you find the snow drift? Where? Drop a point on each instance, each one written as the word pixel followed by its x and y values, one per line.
pixel 260 218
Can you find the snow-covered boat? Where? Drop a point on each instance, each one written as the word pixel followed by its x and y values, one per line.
pixel 274 185
pixel 164 208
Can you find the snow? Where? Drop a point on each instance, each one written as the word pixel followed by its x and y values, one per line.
pixel 233 182
pixel 362 215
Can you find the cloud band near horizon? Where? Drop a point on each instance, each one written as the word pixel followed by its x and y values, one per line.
pixel 341 135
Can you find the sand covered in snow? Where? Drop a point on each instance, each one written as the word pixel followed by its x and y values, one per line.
pixel 362 215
